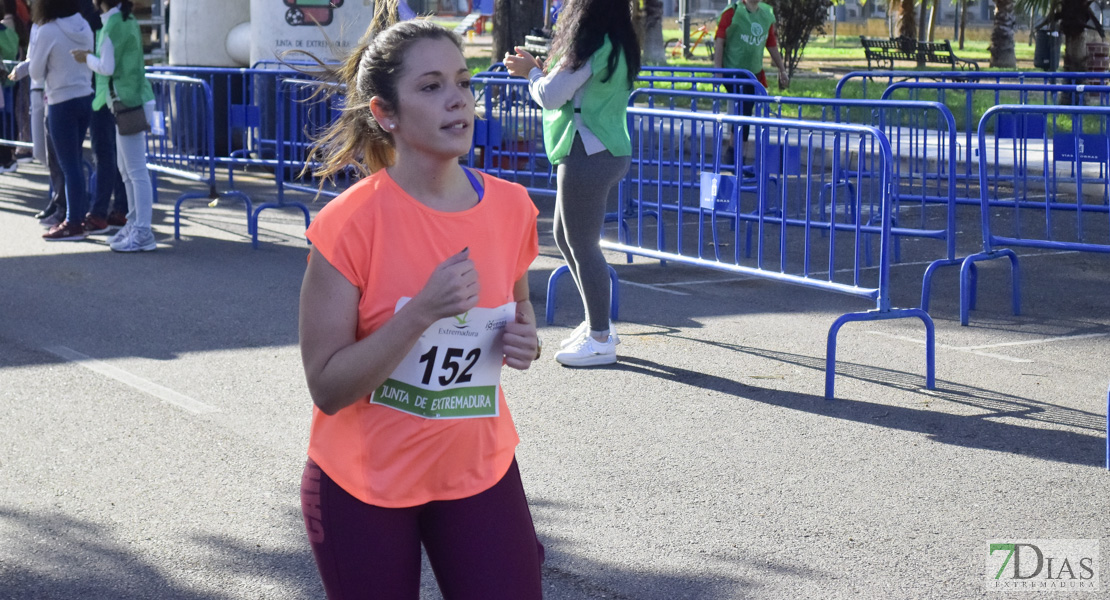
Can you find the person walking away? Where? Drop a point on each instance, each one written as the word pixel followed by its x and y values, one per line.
pixel 68 95
pixel 744 29
pixel 121 80
pixel 584 95
pixel 415 295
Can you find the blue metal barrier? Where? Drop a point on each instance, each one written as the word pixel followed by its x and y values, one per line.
pixel 1052 192
pixel 244 116
pixel 304 111
pixel 680 71
pixel 996 93
pixel 9 124
pixel 675 221
pixel 182 139
pixel 508 136
pixel 870 84
pixel 923 141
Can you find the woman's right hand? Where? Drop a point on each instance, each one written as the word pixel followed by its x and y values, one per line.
pixel 452 289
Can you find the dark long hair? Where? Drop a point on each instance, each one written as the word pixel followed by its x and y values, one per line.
pixel 45 11
pixel 581 31
pixel 125 6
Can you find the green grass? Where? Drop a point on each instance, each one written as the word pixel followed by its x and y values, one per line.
pixel 847 49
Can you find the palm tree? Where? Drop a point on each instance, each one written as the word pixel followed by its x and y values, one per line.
pixel 1002 37
pixel 1071 18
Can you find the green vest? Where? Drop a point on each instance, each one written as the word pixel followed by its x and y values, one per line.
pixel 9 50
pixel 746 37
pixel 604 110
pixel 129 78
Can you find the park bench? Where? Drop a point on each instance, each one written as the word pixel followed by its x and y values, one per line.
pixel 885 51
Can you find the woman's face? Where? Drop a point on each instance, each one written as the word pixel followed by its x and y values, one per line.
pixel 435 107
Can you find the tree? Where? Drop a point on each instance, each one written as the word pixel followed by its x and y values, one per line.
pixel 512 20
pixel 796 21
pixel 1072 18
pixel 1002 37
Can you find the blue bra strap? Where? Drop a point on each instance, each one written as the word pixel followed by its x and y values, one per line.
pixel 474 182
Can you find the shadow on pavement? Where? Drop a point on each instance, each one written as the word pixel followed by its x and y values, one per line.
pixel 970 431
pixel 58 556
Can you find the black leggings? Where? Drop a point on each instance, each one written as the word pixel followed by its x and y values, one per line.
pixel 483 547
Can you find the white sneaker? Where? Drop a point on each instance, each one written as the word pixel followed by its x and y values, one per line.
pixel 120 235
pixel 574 335
pixel 582 329
pixel 588 352
pixel 137 240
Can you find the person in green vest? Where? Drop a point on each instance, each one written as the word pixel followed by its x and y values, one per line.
pixel 584 93
pixel 122 84
pixel 743 31
pixel 9 50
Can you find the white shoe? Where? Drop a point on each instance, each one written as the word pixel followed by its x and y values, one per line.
pixel 574 335
pixel 588 352
pixel 120 235
pixel 137 240
pixel 582 329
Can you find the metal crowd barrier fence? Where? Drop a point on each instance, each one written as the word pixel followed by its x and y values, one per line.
pixel 972 97
pixel 508 136
pixel 795 242
pixel 871 84
pixel 9 123
pixel 1048 193
pixel 181 142
pixel 923 141
pixel 508 133
pixel 304 110
pixel 244 118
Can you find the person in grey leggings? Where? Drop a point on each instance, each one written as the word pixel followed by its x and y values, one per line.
pixel 584 182
pixel 584 95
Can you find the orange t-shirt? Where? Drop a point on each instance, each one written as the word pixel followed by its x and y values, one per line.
pixel 386 243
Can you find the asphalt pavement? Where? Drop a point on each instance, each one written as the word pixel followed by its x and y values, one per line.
pixel 154 423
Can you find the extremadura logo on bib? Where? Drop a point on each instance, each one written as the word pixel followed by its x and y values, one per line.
pixel 454 370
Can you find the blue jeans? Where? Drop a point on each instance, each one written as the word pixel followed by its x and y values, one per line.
pixel 68 123
pixel 102 131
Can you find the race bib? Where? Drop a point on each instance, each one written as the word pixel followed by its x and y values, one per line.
pixel 454 370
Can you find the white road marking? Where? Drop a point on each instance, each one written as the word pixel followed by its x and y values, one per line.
pixel 978 350
pixel 162 393
pixel 654 287
pixel 1041 341
pixel 956 348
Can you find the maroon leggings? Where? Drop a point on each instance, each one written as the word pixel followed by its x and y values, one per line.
pixel 482 547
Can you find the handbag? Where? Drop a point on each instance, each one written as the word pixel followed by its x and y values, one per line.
pixel 129 119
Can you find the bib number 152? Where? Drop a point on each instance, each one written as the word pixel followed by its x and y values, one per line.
pixel 455 366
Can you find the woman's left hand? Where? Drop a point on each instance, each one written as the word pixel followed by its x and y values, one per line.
pixel 519 340
pixel 522 63
pixel 80 56
pixel 784 79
